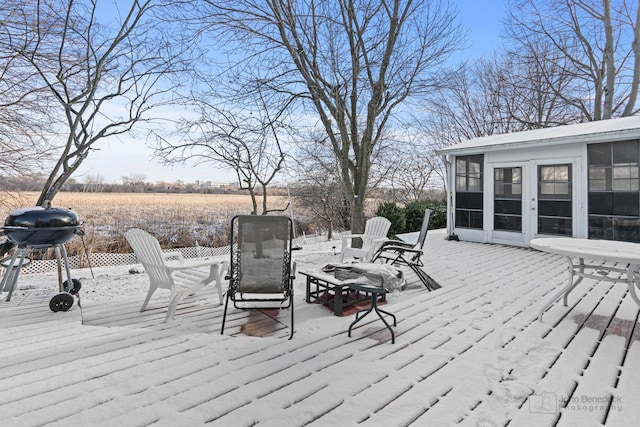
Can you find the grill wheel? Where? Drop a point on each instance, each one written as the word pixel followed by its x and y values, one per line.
pixel 74 289
pixel 61 302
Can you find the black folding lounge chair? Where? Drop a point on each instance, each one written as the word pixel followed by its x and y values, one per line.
pixel 261 271
pixel 397 252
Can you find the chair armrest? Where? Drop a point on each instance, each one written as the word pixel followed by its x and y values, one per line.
pixel 346 237
pixel 196 263
pixel 398 243
pixel 171 255
pixel 351 236
pixel 376 244
pixel 397 248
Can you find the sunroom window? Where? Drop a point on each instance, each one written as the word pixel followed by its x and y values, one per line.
pixel 614 197
pixel 469 200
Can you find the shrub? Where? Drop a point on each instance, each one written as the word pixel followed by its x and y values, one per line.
pixel 438 213
pixel 395 214
pixel 414 213
pixel 409 218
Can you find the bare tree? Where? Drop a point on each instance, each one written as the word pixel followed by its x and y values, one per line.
pixel 246 141
pixel 134 182
pixel 352 62
pixel 496 95
pixel 321 194
pixel 94 183
pixel 597 42
pixel 102 80
pixel 415 174
pixel 530 91
pixel 316 184
pixel 24 105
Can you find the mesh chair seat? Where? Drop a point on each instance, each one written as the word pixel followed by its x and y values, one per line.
pixel 261 269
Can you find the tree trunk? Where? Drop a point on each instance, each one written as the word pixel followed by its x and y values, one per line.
pixel 264 200
pixel 609 62
pixel 635 80
pixel 53 186
pixel 254 202
pixel 357 215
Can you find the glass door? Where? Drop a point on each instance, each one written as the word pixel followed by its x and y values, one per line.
pixel 509 214
pixel 555 200
pixel 507 199
pixel 530 199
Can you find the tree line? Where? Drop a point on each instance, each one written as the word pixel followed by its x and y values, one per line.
pixel 337 98
pixel 127 184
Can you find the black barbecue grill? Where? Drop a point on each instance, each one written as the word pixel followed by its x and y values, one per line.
pixel 40 228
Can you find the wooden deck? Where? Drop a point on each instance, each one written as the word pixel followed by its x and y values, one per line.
pixel 471 353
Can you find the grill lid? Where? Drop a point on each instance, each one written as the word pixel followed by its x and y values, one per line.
pixel 39 227
pixel 39 217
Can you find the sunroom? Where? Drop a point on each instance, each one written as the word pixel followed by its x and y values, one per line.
pixel 576 180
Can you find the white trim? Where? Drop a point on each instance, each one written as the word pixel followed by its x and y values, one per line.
pixel 450 191
pixel 620 129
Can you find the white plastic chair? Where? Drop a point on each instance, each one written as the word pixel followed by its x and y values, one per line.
pixel 180 277
pixel 375 233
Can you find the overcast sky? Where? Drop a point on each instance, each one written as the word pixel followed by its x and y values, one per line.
pixel 125 156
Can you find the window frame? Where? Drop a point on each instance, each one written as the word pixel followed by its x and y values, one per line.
pixel 613 189
pixel 469 185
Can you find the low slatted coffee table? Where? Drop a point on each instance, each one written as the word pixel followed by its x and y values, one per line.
pixel 326 289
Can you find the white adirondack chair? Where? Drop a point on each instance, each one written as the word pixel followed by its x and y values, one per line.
pixel 180 277
pixel 375 232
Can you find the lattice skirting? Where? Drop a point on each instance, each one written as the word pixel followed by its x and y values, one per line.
pixel 102 260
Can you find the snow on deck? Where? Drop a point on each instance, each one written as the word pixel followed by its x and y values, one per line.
pixel 471 353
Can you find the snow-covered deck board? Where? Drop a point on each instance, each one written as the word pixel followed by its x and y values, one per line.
pixel 470 353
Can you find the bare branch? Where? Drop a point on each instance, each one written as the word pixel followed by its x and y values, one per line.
pixel 100 81
pixel 351 62
pixel 593 42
